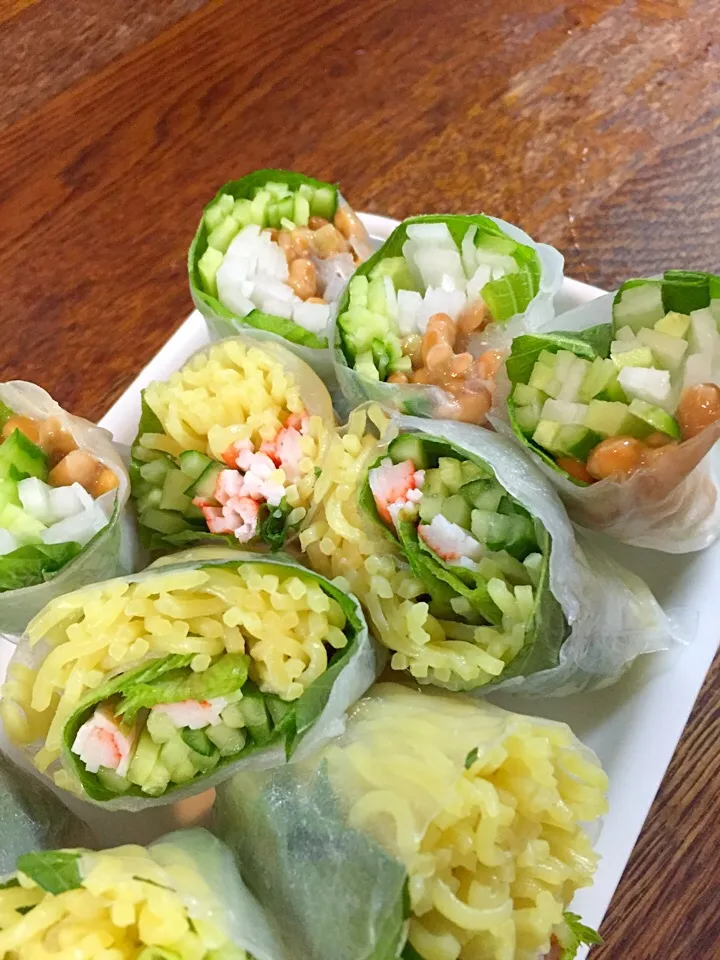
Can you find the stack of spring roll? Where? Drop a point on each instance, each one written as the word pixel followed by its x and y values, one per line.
pixel 297 557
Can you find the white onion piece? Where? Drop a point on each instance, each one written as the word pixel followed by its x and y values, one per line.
pixel 408 305
pixel 8 542
pixel 312 316
pixel 467 250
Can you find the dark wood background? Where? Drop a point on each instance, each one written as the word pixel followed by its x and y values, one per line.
pixel 593 124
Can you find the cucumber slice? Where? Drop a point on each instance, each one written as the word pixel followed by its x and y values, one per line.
pixel 524 394
pixel 434 485
pixel 520 538
pixel 111 781
pixel 450 473
pixel 674 324
pixel 576 441
pixel 157 781
pixel 204 486
pixel 242 212
pixel 229 740
pixel 398 270
pixel 208 266
pixel 232 716
pixel 656 418
pixel 324 203
pixel 307 191
pixel 223 234
pixel 492 529
pixel 155 471
pixel 456 509
pixel 482 494
pixel 20 523
pixel 258 211
pixel 173 491
pixel 193 463
pixel 430 507
pixel 277 189
pixel 20 458
pixel 408 447
pixel 147 753
pixel 151 498
pixel 301 210
pixel 543 379
pixel 528 417
pixel 612 419
pixel 160 727
pixel 216 213
pixel 184 772
pixel 545 434
pixel 473 471
pixel 256 718
pixel 634 357
pixel 198 741
pixel 600 381
pixel 174 753
pixel 163 521
pixel 365 366
pixel 273 215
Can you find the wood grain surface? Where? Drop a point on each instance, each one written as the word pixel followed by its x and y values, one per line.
pixel 593 124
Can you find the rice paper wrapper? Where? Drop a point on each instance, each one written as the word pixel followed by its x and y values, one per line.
pixel 32 817
pixel 319 712
pixel 430 401
pixel 612 614
pixel 223 322
pixel 672 505
pixel 101 558
pixel 191 864
pixel 338 848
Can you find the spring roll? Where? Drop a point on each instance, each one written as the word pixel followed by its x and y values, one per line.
pixel 62 489
pixel 32 818
pixel 439 822
pixel 155 686
pixel 180 898
pixel 467 565
pixel 424 323
pixel 229 448
pixel 271 255
pixel 622 413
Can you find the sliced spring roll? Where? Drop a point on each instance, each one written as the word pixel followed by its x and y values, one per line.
pixel 32 818
pixel 422 325
pixel 440 822
pixel 62 488
pixel 229 447
pixel 272 253
pixel 180 898
pixel 155 686
pixel 621 413
pixel 467 564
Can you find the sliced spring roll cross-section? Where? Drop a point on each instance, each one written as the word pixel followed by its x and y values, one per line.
pixel 179 898
pixel 442 823
pixel 421 324
pixel 62 488
pixel 230 447
pixel 272 253
pixel 623 412
pixel 141 687
pixel 467 564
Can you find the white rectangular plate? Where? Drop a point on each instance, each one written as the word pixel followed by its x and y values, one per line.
pixel 633 726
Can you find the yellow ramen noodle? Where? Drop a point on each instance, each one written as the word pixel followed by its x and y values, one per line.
pixel 484 808
pixel 214 625
pixel 123 903
pixel 339 542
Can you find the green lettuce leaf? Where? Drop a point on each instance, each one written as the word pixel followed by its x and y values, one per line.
pixel 231 322
pixel 588 344
pixel 166 679
pixel 682 290
pixel 5 414
pixel 575 935
pixel 54 870
pixel 35 563
pixel 273 529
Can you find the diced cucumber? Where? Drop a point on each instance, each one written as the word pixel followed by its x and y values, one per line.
pixel 703 332
pixel 286 210
pixel 656 418
pixel 160 727
pixel 669 351
pixel 401 365
pixel 398 270
pixel 204 486
pixel 547 358
pixel 198 741
pixel 524 394
pixel 473 471
pixel 151 498
pixel 20 457
pixel 572 378
pixel 601 382
pixel 20 523
pixel 430 507
pixel 545 434
pixel 365 366
pixel 145 454
pixel 451 473
pixel 184 772
pixel 674 324
pixel 480 521
pixel 223 234
pixel 157 781
pixel 626 334
pixel 193 512
pixel 301 210
pixel 229 740
pixel 242 212
pixel 576 441
pixel 520 539
pixel 306 190
pixel 639 306
pixel 324 203
pixel 174 752
pixel 543 378
pixel 163 521
pixel 193 463
pixel 528 417
pixel 277 189
pixel 499 532
pixel 408 447
pixel 173 491
pixel 634 357
pixel 456 509
pixel 8 494
pixel 434 485
pixel 155 471
pixel 258 210
pixel 217 212
pixel 563 411
pixel 256 718
pixel 273 214
pixel 482 494
pixel 202 763
pixel 612 419
pixel 208 266
pixel 232 716
pixel 147 753
pixel 111 781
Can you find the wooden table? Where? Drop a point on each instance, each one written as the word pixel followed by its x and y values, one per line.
pixel 593 124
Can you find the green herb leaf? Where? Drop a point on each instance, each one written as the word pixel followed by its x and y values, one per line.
pixel 35 563
pixel 575 935
pixel 471 758
pixel 54 870
pixel 273 529
pixel 588 344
